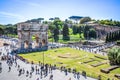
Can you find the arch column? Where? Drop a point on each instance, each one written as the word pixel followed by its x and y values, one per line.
pixel 22 45
pixel 30 45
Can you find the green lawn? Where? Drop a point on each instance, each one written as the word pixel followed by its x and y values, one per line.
pixel 72 59
pixel 73 38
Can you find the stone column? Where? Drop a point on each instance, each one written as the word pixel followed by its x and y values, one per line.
pixel 30 45
pixel 22 45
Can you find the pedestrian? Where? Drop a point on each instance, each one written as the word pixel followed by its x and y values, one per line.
pixel 23 71
pixel 27 73
pixel 69 79
pixel 0 69
pixel 18 67
pixel 78 75
pixel 9 69
pixel 37 79
pixel 30 74
pixel 51 77
pixel 15 63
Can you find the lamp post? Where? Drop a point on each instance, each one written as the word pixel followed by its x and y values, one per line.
pixel 43 58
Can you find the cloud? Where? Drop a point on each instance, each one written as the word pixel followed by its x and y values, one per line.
pixel 12 15
pixel 33 4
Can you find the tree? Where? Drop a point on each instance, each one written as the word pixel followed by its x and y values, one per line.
pixel 75 18
pixel 40 19
pixel 51 19
pixel 107 38
pixel 86 31
pixel 66 32
pixel 85 19
pixel 119 35
pixel 35 20
pixel 110 22
pixel 113 36
pixel 114 56
pixel 92 33
pixel 110 37
pixel 80 30
pixel 56 33
pixel 51 26
pixel 58 23
pixel 1 31
pixel 74 28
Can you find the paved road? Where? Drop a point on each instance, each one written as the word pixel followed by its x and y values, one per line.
pixel 13 74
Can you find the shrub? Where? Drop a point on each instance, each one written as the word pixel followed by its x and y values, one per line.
pixel 114 56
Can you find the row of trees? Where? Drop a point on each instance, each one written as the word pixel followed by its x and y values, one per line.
pixel 110 22
pixel 113 36
pixel 88 31
pixel 65 32
pixel 8 29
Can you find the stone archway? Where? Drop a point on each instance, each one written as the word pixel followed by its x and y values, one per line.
pixel 27 30
pixel 26 44
pixel 36 40
pixel 43 42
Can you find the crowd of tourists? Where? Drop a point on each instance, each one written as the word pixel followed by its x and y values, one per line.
pixel 36 69
pixel 94 49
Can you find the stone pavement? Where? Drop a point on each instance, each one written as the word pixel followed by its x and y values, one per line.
pixel 13 74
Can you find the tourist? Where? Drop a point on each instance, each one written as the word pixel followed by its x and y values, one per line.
pixel 23 71
pixel 37 79
pixel 78 75
pixel 15 63
pixel 30 74
pixel 51 77
pixel 0 67
pixel 65 71
pixel 69 79
pixel 20 72
pixel 18 67
pixel 9 69
pixel 39 63
pixel 27 73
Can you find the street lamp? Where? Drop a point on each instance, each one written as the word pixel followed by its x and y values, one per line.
pixel 43 58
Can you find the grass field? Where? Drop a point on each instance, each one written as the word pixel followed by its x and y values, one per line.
pixel 72 58
pixel 73 38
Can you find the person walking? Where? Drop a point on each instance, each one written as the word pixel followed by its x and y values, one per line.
pixel 69 79
pixel 51 77
pixel 9 69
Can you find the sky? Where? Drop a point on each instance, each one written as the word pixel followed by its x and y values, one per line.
pixel 15 11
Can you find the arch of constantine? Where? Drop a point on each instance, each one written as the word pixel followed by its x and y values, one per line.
pixel 32 35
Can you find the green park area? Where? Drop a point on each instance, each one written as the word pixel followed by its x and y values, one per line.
pixel 74 59
pixel 73 38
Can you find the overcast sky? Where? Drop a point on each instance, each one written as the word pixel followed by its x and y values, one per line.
pixel 14 11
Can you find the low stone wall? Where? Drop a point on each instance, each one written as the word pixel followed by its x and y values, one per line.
pixel 98 64
pixel 107 70
pixel 101 57
pixel 117 75
pixel 91 60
